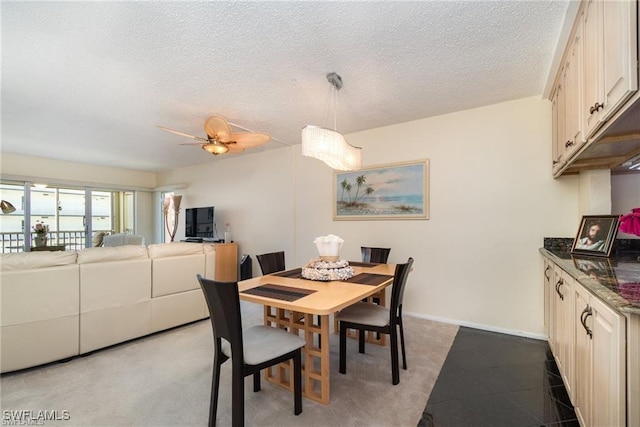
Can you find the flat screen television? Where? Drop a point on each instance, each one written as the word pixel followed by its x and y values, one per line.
pixel 199 223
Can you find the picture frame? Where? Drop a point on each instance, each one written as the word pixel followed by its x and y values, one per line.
pixel 384 192
pixel 596 235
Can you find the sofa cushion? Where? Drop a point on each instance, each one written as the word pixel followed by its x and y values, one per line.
pixel 117 253
pixel 164 250
pixel 30 260
pixel 121 239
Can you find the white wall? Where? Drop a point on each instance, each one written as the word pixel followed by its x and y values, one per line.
pixel 493 199
pixel 253 193
pixel 61 172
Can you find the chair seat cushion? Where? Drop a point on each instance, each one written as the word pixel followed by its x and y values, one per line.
pixel 364 314
pixel 262 343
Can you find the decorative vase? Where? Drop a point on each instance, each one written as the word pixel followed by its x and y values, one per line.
pixel 40 240
pixel 227 234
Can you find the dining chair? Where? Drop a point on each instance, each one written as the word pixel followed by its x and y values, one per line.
pixel 271 262
pixel 375 255
pixel 251 350
pixel 372 317
pixel 378 256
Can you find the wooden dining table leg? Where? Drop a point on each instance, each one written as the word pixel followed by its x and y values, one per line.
pixel 316 368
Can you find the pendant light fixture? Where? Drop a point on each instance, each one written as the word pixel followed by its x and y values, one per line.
pixel 329 145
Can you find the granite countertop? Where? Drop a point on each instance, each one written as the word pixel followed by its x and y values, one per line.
pixel 615 280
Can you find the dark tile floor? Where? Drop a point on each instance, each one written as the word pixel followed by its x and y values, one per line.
pixel 492 379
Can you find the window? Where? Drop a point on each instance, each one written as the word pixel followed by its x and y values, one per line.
pixel 65 211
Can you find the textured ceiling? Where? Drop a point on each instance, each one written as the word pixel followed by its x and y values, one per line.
pixel 91 81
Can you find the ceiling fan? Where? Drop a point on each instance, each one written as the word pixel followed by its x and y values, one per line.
pixel 221 140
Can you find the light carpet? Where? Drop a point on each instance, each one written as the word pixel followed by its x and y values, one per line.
pixel 165 380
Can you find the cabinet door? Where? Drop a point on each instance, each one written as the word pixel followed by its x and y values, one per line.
pixel 610 59
pixel 620 54
pixel 555 129
pixel 567 333
pixel 608 397
pixel 547 284
pixel 573 95
pixel 593 41
pixel 555 303
pixel 582 373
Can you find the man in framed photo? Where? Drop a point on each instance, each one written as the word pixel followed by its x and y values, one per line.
pixel 594 239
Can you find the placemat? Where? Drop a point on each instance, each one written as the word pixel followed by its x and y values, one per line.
pixel 363 264
pixel 296 273
pixel 284 293
pixel 369 279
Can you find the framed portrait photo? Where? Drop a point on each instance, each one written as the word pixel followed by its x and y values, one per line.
pixel 595 235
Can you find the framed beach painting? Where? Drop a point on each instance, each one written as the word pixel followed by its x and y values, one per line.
pixel 395 191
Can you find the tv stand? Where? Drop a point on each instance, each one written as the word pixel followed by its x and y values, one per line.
pixel 226 258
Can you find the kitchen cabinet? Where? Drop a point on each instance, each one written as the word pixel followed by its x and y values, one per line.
pixel 611 75
pixel 595 86
pixel 565 309
pixel 548 277
pixel 573 94
pixel 561 324
pixel 568 134
pixel 594 344
pixel 558 110
pixel 599 397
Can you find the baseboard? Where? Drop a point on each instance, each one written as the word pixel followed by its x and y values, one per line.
pixel 489 328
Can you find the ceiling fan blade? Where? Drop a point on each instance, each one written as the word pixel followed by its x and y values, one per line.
pixel 194 143
pixel 198 138
pixel 249 139
pixel 218 128
pixel 234 148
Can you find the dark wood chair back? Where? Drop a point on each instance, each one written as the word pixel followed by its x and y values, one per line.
pixel 223 301
pixel 271 262
pixel 397 291
pixel 375 255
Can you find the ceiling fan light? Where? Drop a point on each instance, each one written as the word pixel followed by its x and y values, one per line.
pixel 7 207
pixel 215 148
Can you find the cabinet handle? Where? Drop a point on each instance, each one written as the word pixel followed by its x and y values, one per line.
pixel 555 162
pixel 583 319
pixel 596 107
pixel 568 144
pixel 545 272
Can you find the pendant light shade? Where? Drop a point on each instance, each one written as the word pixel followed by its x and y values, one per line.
pixel 330 145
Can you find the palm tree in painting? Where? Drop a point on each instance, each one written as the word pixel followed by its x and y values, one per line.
pixel 368 191
pixel 344 185
pixel 359 182
pixel 348 188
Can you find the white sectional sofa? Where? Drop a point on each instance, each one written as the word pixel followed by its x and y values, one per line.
pixel 57 305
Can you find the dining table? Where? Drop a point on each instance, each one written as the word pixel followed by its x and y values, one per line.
pixel 303 307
